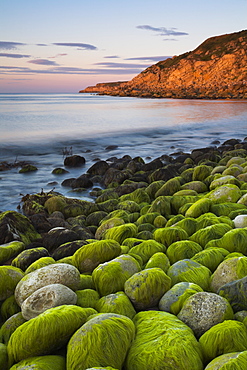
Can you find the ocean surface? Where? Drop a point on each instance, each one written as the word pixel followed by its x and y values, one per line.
pixel 40 128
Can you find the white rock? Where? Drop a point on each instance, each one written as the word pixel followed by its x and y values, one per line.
pixel 59 273
pixel 240 221
pixel 49 296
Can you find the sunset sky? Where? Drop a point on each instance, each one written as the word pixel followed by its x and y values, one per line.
pixel 64 46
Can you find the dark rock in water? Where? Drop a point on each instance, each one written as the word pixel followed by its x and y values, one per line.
pixel 74 161
pixel 111 147
pixel 82 182
pixel 98 168
pixel 114 175
pixel 236 293
pixel 232 142
pixel 58 236
pixel 28 168
pixel 68 182
pixel 59 171
pixel 153 165
pixel 165 173
pixel 27 257
pixel 67 249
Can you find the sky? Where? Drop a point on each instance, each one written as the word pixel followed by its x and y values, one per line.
pixel 64 46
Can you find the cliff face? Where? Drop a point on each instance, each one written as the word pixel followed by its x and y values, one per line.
pixel 215 69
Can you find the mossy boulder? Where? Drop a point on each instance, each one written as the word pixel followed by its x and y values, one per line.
pixel 162 205
pixel 201 172
pixel 196 185
pixel 108 224
pixel 227 179
pixel 147 218
pixel 103 340
pixel 183 249
pixel 86 282
pixel 172 301
pixel 243 200
pixel 203 236
pixel 229 361
pixel 177 201
pixel 70 207
pixel 10 250
pixel 50 362
pixel 47 332
pixel 152 188
pixel 3 357
pixel 145 288
pixel 129 206
pixel 146 249
pixel 232 240
pixel 225 193
pixel 188 224
pixel 9 278
pixel 158 259
pixel 15 226
pixel 10 325
pixel 215 341
pixel 211 257
pixel 189 271
pixel 203 310
pixel 116 303
pixel 27 257
pixel 200 207
pixel 8 308
pixel 159 221
pixel 110 277
pixel 138 196
pixel 87 298
pixel 169 188
pixel 169 235
pixel 41 262
pixel 120 233
pixel 240 221
pixel 91 255
pixel 95 218
pixel 229 270
pixel 162 341
pixel 59 273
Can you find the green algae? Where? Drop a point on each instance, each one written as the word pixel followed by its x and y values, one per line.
pixel 183 249
pixel 9 278
pixel 158 259
pixel 169 235
pixel 87 298
pixel 116 303
pixel 10 250
pixel 52 362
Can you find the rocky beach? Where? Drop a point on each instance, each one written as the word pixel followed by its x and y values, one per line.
pixel 151 273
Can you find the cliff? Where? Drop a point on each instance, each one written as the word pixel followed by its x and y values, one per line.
pixel 217 69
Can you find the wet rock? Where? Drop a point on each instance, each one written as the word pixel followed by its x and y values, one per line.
pixel 58 236
pixel 236 293
pixel 27 257
pixel 82 182
pixel 67 249
pixel 59 171
pixel 28 168
pixel 49 296
pixel 98 168
pixel 74 161
pixel 203 310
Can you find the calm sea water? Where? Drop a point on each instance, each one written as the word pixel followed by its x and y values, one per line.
pixel 39 127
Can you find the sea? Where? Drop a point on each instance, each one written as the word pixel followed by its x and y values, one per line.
pixel 42 128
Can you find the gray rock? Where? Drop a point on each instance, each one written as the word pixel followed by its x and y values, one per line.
pixel 47 297
pixel 59 273
pixel 203 310
pixel 236 293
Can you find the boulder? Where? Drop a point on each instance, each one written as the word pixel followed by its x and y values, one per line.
pixel 236 293
pixel 87 298
pixel 49 296
pixel 116 303
pixel 203 310
pixel 50 362
pixel 103 340
pixel 228 361
pixel 9 278
pixel 74 161
pixel 225 193
pixel 183 249
pixel 10 250
pixel 9 307
pixel 59 273
pixel 27 257
pixel 58 236
pixel 10 325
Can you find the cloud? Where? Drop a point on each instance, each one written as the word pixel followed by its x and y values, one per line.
pixel 7 45
pixel 43 62
pixel 78 45
pixel 162 31
pixel 151 59
pixel 7 55
pixel 58 55
pixel 120 65
pixel 112 57
pixel 41 45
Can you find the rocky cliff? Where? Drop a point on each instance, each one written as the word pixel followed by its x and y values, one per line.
pixel 217 69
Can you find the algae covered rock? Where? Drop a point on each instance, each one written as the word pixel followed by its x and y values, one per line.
pixel 169 235
pixel 160 260
pixel 227 179
pixel 225 193
pixel 3 357
pixel 201 172
pixel 103 340
pixel 233 241
pixel 162 205
pixel 41 262
pixel 28 256
pixel 169 188
pixel 60 273
pixel 215 341
pixel 87 298
pixel 47 297
pixel 183 249
pixel 10 250
pixel 163 342
pixel 228 270
pixel 110 277
pixel 91 255
pixel 52 362
pixel 229 361
pixel 200 207
pixel 240 221
pixel 116 303
pixel 47 332
pixel 189 271
pixel 9 278
pixel 146 249
pixel 8 308
pixel 203 310
pixel 211 257
pixel 9 326
pixel 203 236
pixel 122 232
pixel 145 288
